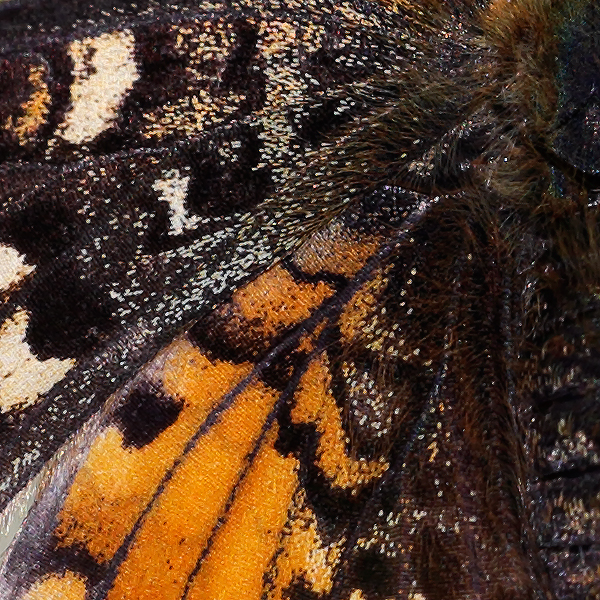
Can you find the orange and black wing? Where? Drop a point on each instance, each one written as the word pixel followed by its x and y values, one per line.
pixel 299 300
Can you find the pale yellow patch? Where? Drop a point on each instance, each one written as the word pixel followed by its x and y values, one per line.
pixel 194 111
pixel 12 267
pixel 284 88
pixel 279 37
pixel 359 19
pixel 104 71
pixel 58 587
pixel 23 377
pixel 180 117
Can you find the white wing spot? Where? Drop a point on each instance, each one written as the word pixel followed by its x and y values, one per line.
pixel 23 377
pixel 173 189
pixel 12 267
pixel 104 71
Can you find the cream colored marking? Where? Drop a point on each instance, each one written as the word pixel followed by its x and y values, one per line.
pixel 23 377
pixel 173 189
pixel 12 267
pixel 179 117
pixel 281 36
pixel 359 19
pixel 104 71
pixel 356 595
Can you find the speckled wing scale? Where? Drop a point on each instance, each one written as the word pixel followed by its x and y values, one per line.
pixel 299 300
pixel 142 156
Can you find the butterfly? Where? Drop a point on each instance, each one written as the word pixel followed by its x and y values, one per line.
pixel 299 299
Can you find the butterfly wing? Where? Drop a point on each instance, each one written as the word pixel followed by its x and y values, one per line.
pixel 136 162
pixel 252 457
pixel 349 288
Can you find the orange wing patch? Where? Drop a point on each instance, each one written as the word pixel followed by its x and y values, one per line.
pixel 33 109
pixel 251 535
pixel 66 587
pixel 177 529
pixel 314 403
pixel 276 300
pixel 162 513
pixel 335 250
pixel 265 307
pixel 105 502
